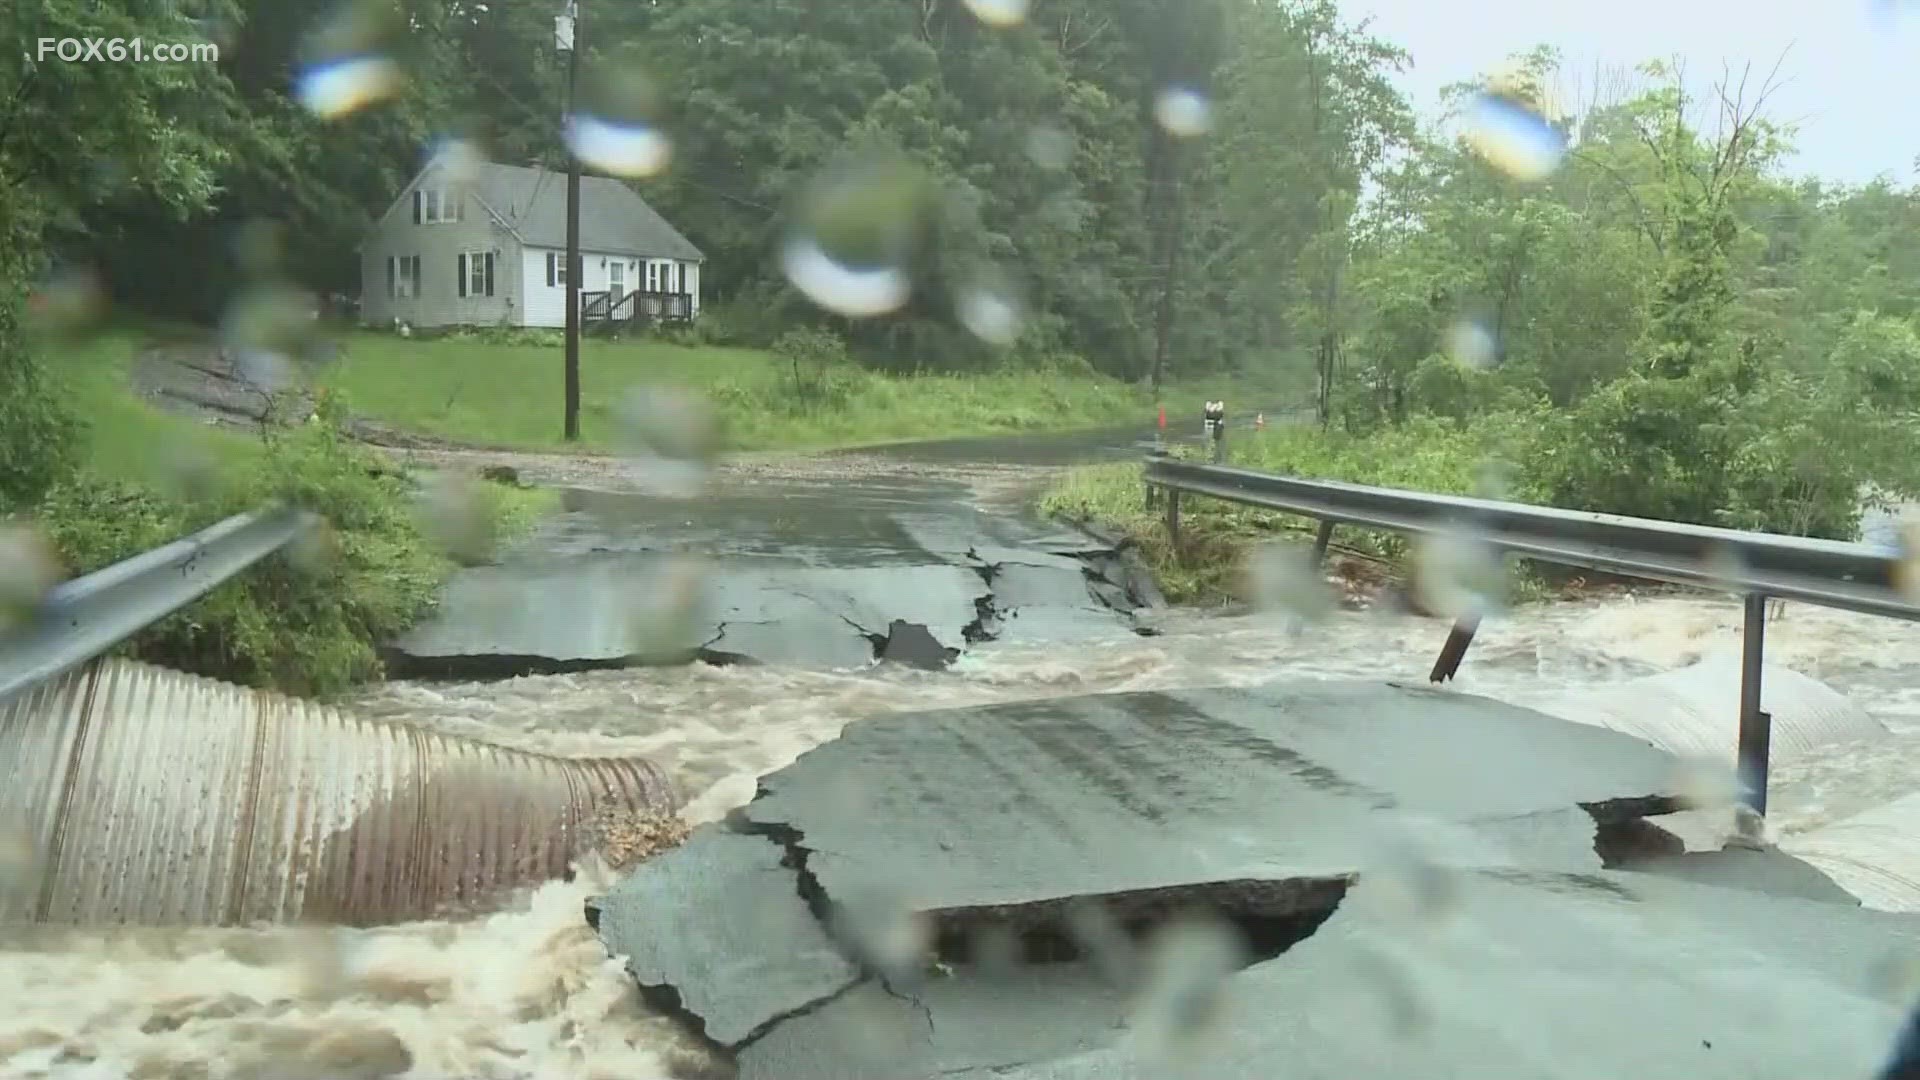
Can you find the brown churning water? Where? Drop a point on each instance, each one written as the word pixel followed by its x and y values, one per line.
pixel 142 796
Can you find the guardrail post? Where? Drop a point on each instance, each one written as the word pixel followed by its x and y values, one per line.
pixel 1173 518
pixel 1153 493
pixel 1322 538
pixel 1455 650
pixel 1756 726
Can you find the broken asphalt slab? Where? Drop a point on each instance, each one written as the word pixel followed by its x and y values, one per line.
pixel 1014 803
pixel 1525 975
pixel 776 958
pixel 915 582
pixel 1275 807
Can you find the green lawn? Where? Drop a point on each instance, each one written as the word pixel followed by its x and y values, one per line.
pixel 488 393
pixel 127 437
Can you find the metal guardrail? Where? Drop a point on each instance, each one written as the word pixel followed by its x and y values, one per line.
pixel 87 616
pixel 1761 566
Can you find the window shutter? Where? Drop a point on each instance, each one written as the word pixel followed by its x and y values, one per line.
pixel 550 277
pixel 463 274
pixel 390 277
pixel 489 273
pixel 416 206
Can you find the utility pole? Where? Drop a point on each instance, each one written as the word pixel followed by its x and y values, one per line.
pixel 567 36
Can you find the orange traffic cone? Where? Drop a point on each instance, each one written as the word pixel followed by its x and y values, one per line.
pixel 1163 418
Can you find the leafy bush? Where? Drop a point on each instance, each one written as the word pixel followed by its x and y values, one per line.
pixel 306 621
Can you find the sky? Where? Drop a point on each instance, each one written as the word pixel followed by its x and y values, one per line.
pixel 1851 74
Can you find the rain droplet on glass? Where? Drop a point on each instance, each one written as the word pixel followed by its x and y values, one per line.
pixel 999 12
pixel 663 625
pixel 265 330
pixel 1187 967
pixel 990 308
pixel 1458 575
pixel 1514 137
pixel 1726 568
pixel 69 299
pixel 671 437
pixel 29 569
pixel 1183 112
pixel 854 232
pixel 616 127
pixel 1285 578
pixel 344 65
pixel 1472 343
pixel 457 161
pixel 455 515
pixel 1050 146
pixel 1906 572
pixel 1700 784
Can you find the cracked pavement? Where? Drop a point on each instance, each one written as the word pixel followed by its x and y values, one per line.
pixel 1403 917
pixel 908 570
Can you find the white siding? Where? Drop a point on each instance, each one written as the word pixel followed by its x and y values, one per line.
pixel 547 306
pixel 544 305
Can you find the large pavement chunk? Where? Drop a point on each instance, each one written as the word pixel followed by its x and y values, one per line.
pixel 1531 975
pixel 1012 804
pixel 720 922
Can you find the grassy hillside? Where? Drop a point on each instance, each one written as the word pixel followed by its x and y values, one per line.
pixel 490 391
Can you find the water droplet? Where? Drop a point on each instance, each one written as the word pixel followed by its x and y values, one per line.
pixel 1386 978
pixel 671 437
pixel 20 862
pixel 616 126
pixel 1726 569
pixel 344 65
pixel 999 12
pixel 995 949
pixel 457 160
pixel 1472 343
pixel 455 515
pixel 1406 885
pixel 29 569
pixel 1188 964
pixel 855 231
pixel 855 292
pixel 1895 977
pixel 1705 785
pixel 990 307
pixel 884 931
pixel 69 299
pixel 1906 572
pixel 664 626
pixel 265 331
pixel 333 88
pixel 1100 938
pixel 1284 578
pixel 1050 146
pixel 1514 137
pixel 1458 575
pixel 1493 479
pixel 1183 112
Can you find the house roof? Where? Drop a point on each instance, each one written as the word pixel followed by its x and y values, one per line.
pixel 613 217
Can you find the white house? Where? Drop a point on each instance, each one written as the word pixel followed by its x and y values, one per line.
pixel 489 249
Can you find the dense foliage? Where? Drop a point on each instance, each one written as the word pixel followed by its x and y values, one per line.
pixel 1677 326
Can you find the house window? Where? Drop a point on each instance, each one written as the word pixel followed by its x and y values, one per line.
pixel 474 271
pixel 617 278
pixel 403 277
pixel 556 270
pixel 432 206
pixel 683 278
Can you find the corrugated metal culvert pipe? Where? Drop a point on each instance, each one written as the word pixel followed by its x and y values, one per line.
pixel 130 794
